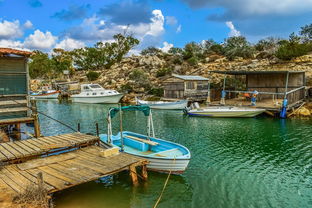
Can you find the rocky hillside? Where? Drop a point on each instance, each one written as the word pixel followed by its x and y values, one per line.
pixel 140 74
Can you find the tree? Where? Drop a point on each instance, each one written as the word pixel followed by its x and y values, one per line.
pixel 176 51
pixel 61 60
pixel 40 65
pixel 191 50
pixel 152 51
pixel 103 55
pixel 212 47
pixel 306 32
pixel 238 47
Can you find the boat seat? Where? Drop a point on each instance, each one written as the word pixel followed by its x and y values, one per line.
pixel 166 153
pixel 143 140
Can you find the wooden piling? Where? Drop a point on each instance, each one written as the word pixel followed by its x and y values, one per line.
pixel 18 131
pixel 134 175
pixel 144 172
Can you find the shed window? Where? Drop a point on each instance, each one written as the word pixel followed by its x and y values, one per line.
pixel 190 85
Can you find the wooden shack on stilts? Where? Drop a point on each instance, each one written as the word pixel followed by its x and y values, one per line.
pixel 14 99
pixel 275 91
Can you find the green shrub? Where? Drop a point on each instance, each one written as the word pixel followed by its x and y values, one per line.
pixel 92 75
pixel 126 88
pixel 289 50
pixel 140 78
pixel 159 92
pixel 238 47
pixel 164 71
pixel 192 61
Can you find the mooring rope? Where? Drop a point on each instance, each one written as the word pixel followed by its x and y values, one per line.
pixel 64 124
pixel 164 187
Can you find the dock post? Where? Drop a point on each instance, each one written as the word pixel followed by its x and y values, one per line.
pixel 78 127
pixel 97 129
pixel 36 119
pixel 18 129
pixel 144 172
pixel 134 175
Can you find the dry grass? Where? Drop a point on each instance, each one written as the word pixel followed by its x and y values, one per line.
pixel 34 196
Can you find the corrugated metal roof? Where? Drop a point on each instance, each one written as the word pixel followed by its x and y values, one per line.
pixel 4 51
pixel 189 77
pixel 255 72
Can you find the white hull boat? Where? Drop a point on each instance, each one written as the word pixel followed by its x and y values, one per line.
pixel 163 156
pixel 50 94
pixel 178 105
pixel 226 111
pixel 94 93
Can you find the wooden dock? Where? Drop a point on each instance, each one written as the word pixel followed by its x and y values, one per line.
pixel 83 161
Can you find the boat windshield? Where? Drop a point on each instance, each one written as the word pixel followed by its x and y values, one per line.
pixel 95 86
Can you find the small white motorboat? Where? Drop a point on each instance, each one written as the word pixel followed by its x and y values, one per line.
pixel 45 94
pixel 163 156
pixel 177 105
pixel 95 93
pixel 225 111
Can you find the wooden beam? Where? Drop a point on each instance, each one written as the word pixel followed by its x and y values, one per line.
pixel 144 172
pixel 134 175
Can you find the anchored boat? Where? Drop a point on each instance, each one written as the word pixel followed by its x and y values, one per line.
pixel 164 156
pixel 95 93
pixel 225 111
pixel 178 105
pixel 45 94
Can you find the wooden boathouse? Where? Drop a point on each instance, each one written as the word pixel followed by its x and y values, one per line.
pixel 191 87
pixel 51 163
pixel 269 87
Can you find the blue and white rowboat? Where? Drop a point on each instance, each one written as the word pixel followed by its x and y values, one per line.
pixel 163 156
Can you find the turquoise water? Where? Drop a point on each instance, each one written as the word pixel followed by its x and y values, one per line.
pixel 257 162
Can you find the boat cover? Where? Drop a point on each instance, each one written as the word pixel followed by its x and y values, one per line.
pixel 144 108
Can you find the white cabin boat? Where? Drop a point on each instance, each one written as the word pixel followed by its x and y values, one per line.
pixel 95 93
pixel 177 105
pixel 225 111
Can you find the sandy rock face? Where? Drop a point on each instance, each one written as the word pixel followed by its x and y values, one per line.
pixel 304 112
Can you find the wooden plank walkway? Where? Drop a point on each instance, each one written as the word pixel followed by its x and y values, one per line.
pixel 65 170
pixel 18 151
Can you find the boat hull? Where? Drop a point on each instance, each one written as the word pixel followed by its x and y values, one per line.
pixel 226 114
pixel 53 95
pixel 97 99
pixel 158 161
pixel 180 105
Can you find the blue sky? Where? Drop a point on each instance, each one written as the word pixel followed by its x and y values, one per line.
pixel 69 24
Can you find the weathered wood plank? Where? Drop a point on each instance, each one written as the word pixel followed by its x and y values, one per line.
pixel 31 146
pixel 49 179
pixel 7 154
pixel 44 161
pixel 20 144
pixel 18 148
pixel 69 172
pixel 13 110
pixel 16 153
pixel 10 182
pixel 58 174
pixel 28 176
pixel 11 102
pixel 81 169
pixel 16 120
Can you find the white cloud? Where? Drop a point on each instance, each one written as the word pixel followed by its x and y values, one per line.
pixel 70 44
pixel 171 20
pixel 10 30
pixel 233 31
pixel 11 44
pixel 166 46
pixel 28 24
pixel 179 29
pixel 157 25
pixel 40 40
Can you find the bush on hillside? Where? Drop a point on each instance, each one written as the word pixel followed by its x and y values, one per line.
pixel 92 75
pixel 140 78
pixel 290 50
pixel 238 47
pixel 193 61
pixel 163 72
pixel 159 92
